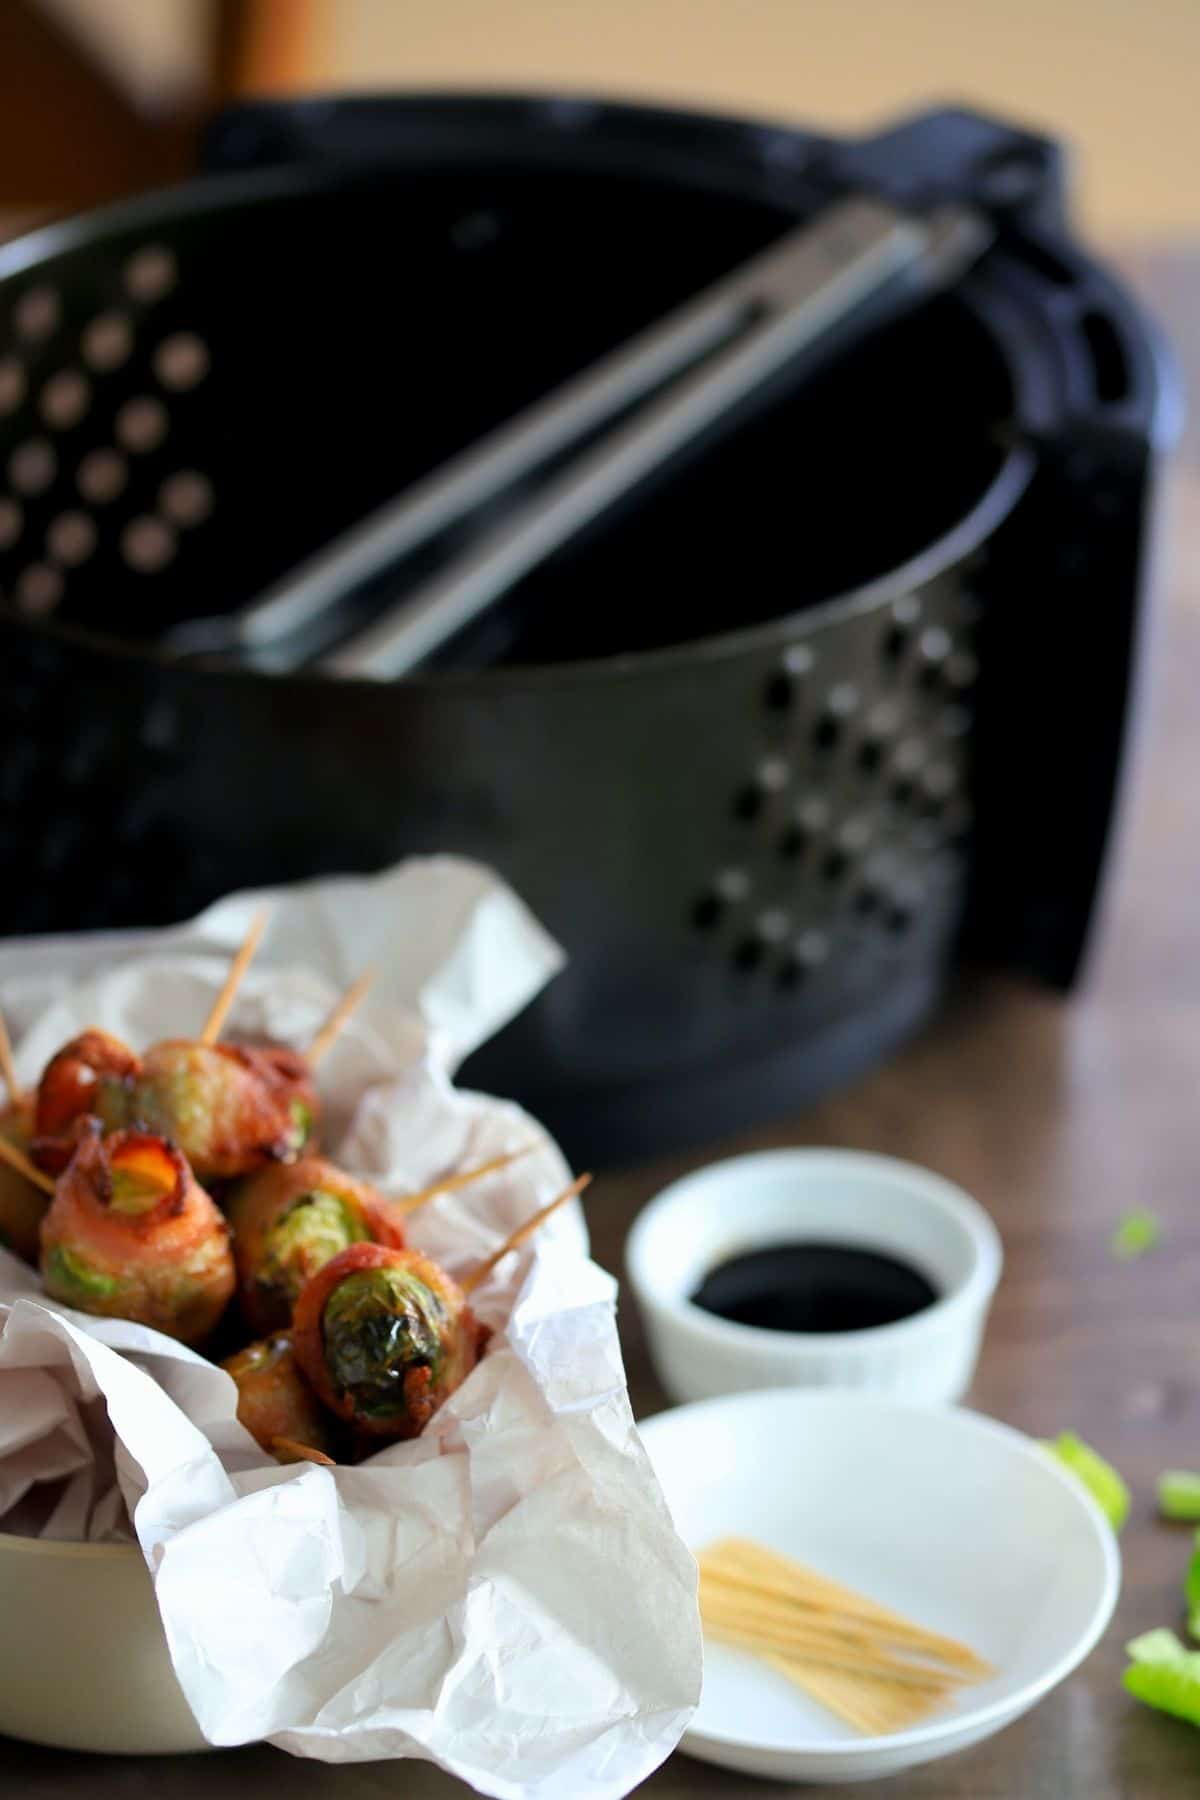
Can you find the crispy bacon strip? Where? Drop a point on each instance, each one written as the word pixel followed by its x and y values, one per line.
pixel 274 1400
pixel 288 1220
pixel 88 1077
pixel 131 1234
pixel 229 1108
pixel 384 1337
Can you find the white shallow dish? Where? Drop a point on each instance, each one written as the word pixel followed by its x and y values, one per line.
pixel 805 1196
pixel 962 1524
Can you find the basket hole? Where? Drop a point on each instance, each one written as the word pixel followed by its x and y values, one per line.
pixel 147 544
pixel 834 864
pixel 898 917
pixel 150 273
pixel 748 803
pixel 12 522
pixel 142 424
pixel 33 466
pixel 186 498
pixel 781 689
pixel 934 648
pixel 12 385
pixel 65 399
pixel 39 590
pixel 733 886
pixel 870 755
pixel 961 669
pixel 102 476
pixel 773 926
pixel 906 614
pixel 793 843
pixel 706 913
pixel 902 791
pixel 808 952
pixel 840 704
pixel 107 342
pixel 909 759
pixel 937 785
pixel 181 361
pixel 37 313
pixel 71 538
pixel 749 954
pixel 866 901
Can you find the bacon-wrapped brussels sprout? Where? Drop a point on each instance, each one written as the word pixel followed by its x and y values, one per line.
pixel 22 1206
pixel 384 1337
pixel 229 1108
pixel 131 1234
pixel 275 1403
pixel 89 1077
pixel 288 1221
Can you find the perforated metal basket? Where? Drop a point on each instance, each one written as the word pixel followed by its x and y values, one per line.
pixel 748 747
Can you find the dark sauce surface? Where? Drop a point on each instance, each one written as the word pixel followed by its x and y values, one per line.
pixel 814 1287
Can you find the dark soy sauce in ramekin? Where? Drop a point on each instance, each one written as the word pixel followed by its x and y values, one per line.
pixel 814 1287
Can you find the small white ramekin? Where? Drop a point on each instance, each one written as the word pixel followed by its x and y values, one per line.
pixel 830 1196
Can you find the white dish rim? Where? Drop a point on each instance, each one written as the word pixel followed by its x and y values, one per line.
pixel 995 1712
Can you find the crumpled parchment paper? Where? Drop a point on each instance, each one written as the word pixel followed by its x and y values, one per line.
pixel 505 1596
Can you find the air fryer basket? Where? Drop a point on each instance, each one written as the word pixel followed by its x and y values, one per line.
pixel 728 745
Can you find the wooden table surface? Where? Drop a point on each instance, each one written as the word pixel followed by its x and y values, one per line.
pixel 1059 1116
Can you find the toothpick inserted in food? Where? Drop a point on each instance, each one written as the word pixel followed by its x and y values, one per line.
pixel 477 1276
pixel 8 1067
pixel 228 993
pixel 332 1028
pixel 21 1163
pixel 287 1450
pixel 451 1183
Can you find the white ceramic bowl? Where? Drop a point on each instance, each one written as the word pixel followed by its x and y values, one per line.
pixel 830 1196
pixel 83 1659
pixel 963 1525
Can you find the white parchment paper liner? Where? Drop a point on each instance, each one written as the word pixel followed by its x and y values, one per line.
pixel 506 1596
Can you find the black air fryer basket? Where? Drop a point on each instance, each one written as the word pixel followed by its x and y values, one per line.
pixel 763 748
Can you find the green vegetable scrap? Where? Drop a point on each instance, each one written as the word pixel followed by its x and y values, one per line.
pixel 1161 1646
pixel 1179 1495
pixel 1137 1232
pixel 1098 1477
pixel 1165 1675
pixel 1191 1590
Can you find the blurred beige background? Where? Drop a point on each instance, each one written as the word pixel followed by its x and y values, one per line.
pixel 1120 77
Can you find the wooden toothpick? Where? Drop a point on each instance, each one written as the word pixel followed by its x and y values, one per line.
pixel 237 969
pixel 473 1280
pixel 450 1183
pixel 289 1450
pixel 8 1067
pixel 16 1159
pixel 332 1028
